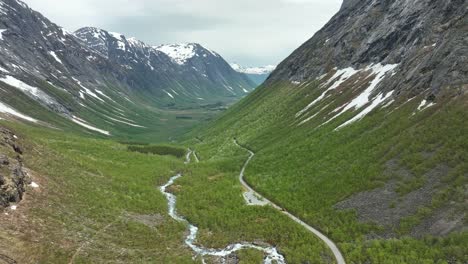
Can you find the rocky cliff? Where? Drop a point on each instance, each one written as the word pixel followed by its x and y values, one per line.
pixel 427 39
pixel 13 178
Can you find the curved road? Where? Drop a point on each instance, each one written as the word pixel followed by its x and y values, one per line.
pixel 336 252
pixel 272 254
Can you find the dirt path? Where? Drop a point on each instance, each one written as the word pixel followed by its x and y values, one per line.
pixel 254 198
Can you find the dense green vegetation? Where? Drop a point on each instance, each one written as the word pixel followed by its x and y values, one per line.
pixel 95 196
pixel 92 193
pixel 309 168
pixel 100 202
pixel 210 196
pixel 159 150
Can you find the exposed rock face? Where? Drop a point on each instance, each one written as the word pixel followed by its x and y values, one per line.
pixel 62 70
pixel 13 178
pixel 199 69
pixel 386 207
pixel 427 39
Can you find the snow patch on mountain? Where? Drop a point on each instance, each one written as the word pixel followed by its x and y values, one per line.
pixel 364 99
pixel 87 91
pixel 8 110
pixel 119 37
pixel 424 104
pixel 380 98
pixel 337 79
pixel 2 9
pixel 168 93
pixel 380 71
pixel 53 54
pixel 3 69
pixel 179 53
pixel 1 33
pixel 124 122
pixel 85 124
pixel 32 92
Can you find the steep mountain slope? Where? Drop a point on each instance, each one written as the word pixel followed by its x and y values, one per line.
pixel 362 131
pixel 218 75
pixel 184 73
pixel 256 74
pixel 52 77
pixel 427 39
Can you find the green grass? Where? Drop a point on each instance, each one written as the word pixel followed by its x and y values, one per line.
pixel 308 169
pixel 160 124
pixel 88 187
pixel 94 187
pixel 91 187
pixel 159 150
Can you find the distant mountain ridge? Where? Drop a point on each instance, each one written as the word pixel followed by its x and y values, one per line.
pixel 75 76
pixel 253 70
pixel 257 74
pixel 202 72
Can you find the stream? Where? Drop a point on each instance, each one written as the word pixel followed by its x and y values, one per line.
pixel 271 253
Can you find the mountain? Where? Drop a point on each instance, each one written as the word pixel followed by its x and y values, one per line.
pixel 256 74
pixel 78 80
pixel 362 131
pixel 358 141
pixel 412 35
pixel 188 70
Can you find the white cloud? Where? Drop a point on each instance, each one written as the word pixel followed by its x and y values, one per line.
pixel 249 32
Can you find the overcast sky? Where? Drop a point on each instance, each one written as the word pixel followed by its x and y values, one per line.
pixel 250 32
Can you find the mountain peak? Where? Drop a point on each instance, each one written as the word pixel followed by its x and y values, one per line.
pixel 181 53
pixel 92 67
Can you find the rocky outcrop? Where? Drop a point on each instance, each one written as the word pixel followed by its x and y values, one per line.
pixel 426 38
pixel 13 178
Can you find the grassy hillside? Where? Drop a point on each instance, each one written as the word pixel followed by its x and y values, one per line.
pixel 319 173
pixel 127 118
pixel 98 201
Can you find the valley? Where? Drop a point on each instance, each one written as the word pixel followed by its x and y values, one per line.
pixel 352 150
pixel 272 253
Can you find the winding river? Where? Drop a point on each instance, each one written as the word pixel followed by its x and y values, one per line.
pixel 271 253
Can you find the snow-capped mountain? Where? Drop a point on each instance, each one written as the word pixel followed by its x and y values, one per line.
pixel 181 53
pixel 256 74
pixel 91 73
pixel 204 73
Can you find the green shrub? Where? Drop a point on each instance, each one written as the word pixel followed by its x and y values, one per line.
pixel 159 150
